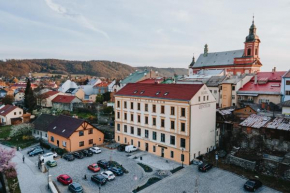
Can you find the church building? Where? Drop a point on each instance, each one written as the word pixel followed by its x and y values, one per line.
pixel 236 62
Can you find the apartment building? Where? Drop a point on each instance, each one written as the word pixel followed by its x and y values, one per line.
pixel 174 121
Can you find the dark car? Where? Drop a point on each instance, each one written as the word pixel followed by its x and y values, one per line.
pixel 252 185
pixel 99 179
pixel 33 148
pixel 87 153
pixel 36 152
pixel 75 188
pixel 103 164
pixel 78 155
pixel 121 147
pixel 69 157
pixel 204 167
pixel 116 171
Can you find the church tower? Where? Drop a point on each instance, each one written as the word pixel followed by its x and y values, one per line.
pixel 252 43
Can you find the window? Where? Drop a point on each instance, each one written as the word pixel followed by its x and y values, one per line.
pixel 64 143
pixel 81 143
pixel 118 104
pixel 125 140
pixel 52 139
pixel 163 137
pixel 125 104
pixel 182 157
pixel 182 142
pixel 207 97
pixel 154 148
pixel 91 141
pixel 172 154
pixel 139 106
pixel 154 121
pixel 125 116
pixel 139 144
pixel 287 82
pixel 139 131
pixel 172 110
pixel 154 108
pixel 19 112
pixel 81 133
pixel 132 142
pixel 249 52
pixel 146 107
pixel 132 117
pixel 146 120
pixel 118 115
pixel 210 91
pixel 139 118
pixel 154 135
pixel 287 92
pixel 172 140
pixel 183 112
pixel 199 99
pixel 183 127
pixel 162 109
pixel 233 88
pixel 172 124
pixel 146 133
pixel 14 113
pixel 256 51
pixel 132 105
pixel 203 98
pixel 233 97
pixel 162 123
pixel 91 131
pixel 125 128
pixel 118 127
pixel 132 130
pixel 215 91
pixel 118 138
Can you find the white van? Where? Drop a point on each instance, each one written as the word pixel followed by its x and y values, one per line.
pixel 130 148
pixel 48 157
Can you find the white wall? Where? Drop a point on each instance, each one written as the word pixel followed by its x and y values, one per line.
pixel 284 88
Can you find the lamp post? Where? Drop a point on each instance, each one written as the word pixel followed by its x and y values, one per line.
pixel 182 156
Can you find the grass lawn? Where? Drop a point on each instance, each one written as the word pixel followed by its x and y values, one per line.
pixel 19 142
pixel 4 131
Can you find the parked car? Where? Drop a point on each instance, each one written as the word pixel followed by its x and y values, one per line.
pixel 78 155
pixel 99 179
pixel 103 164
pixel 36 152
pixel 48 157
pixel 51 163
pixel 33 148
pixel 50 154
pixel 252 185
pixel 64 179
pixel 197 162
pixel 95 150
pixel 204 167
pixel 87 153
pixel 108 175
pixel 130 148
pixel 121 147
pixel 68 157
pixel 75 188
pixel 116 171
pixel 94 167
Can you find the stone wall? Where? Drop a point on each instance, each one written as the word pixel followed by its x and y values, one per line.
pixel 277 145
pixel 250 165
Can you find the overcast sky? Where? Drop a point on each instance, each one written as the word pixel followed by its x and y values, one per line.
pixel 160 33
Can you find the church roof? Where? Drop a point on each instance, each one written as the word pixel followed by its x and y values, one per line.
pixel 218 58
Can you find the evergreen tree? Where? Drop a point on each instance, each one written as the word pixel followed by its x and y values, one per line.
pixel 29 98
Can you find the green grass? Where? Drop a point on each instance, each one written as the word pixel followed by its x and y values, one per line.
pixel 5 131
pixel 19 142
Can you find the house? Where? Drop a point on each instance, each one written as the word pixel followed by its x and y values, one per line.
pixel 165 119
pixel 101 88
pixel 73 134
pixel 236 62
pixel 244 112
pixel 200 77
pixel 285 86
pixel 19 96
pixel 151 81
pixel 286 108
pixel 264 87
pixel 10 115
pixel 76 92
pixel 3 93
pixel 213 84
pixel 67 85
pixel 65 102
pixel 45 99
pixel 41 124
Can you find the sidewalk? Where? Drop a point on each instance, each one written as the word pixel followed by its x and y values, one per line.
pixel 31 180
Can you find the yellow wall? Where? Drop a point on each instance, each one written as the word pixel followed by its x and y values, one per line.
pixel 226 95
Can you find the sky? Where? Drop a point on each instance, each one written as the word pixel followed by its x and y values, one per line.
pixel 163 33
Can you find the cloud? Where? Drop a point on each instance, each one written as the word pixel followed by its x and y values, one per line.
pixel 75 16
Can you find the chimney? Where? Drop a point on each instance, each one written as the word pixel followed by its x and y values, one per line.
pixel 274 69
pixel 205 50
pixel 256 79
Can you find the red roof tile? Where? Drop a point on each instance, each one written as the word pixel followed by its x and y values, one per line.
pixel 271 76
pixel 268 87
pixel 7 109
pixel 102 84
pixel 287 75
pixel 49 94
pixel 63 99
pixel 151 80
pixel 174 91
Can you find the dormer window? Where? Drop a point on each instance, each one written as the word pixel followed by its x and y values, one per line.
pixel 165 94
pixel 157 93
pixel 142 92
pixel 135 91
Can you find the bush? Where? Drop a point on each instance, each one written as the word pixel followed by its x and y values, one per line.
pixel 60 151
pixel 27 137
pixel 44 145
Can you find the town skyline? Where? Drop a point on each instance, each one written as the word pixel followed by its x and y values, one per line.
pixel 155 34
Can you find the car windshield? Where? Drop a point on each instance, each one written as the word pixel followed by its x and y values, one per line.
pixel 111 175
pixel 95 166
pixel 68 179
pixel 250 183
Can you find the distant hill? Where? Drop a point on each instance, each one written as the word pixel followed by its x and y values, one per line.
pixel 98 68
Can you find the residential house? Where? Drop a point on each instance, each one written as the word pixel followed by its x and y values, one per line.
pixel 151 80
pixel 45 99
pixel 67 85
pixel 213 84
pixel 41 124
pixel 19 96
pixel 285 86
pixel 165 119
pixel 73 134
pixel 200 77
pixel 101 88
pixel 76 92
pixel 10 115
pixel 244 112
pixel 65 102
pixel 3 93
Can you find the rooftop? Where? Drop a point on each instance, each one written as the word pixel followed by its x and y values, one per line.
pixel 267 88
pixel 42 122
pixel 6 109
pixel 49 94
pixel 63 99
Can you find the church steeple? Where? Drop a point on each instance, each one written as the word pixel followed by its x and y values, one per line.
pixel 193 61
pixel 252 33
pixel 252 42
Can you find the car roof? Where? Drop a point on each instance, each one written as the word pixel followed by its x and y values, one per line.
pixel 94 164
pixel 75 184
pixel 64 176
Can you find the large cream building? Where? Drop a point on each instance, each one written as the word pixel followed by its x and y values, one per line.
pixel 175 121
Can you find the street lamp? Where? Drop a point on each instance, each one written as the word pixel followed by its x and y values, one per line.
pixel 182 156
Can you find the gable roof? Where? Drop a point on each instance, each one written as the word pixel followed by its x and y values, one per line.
pixel 214 81
pixel 218 58
pixel 43 121
pixel 134 77
pixel 102 84
pixel 49 94
pixel 287 74
pixel 270 76
pixel 64 126
pixel 160 91
pixel 6 109
pixel 63 99
pixel 268 88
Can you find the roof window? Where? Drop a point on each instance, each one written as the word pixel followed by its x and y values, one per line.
pixel 54 127
pixel 158 93
pixel 142 91
pixel 63 130
pixel 165 94
pixel 135 91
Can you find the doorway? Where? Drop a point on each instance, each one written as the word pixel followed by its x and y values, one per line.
pixel 57 142
pixel 162 152
pixel 146 146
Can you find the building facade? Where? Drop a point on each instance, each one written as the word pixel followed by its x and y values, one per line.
pixel 285 86
pixel 166 120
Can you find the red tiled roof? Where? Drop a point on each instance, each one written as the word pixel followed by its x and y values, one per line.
pixel 151 81
pixel 63 99
pixel 102 84
pixel 287 75
pixel 174 91
pixel 49 94
pixel 268 87
pixel 271 76
pixel 7 109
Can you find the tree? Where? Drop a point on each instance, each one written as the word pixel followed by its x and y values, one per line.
pixel 107 96
pixel 21 129
pixel 8 100
pixel 29 98
pixel 6 166
pixel 100 99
